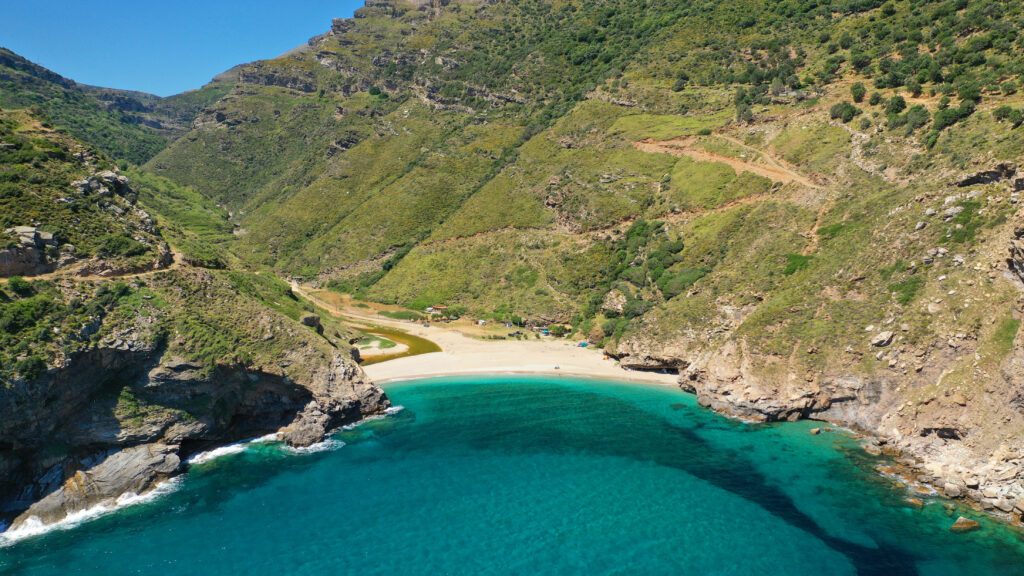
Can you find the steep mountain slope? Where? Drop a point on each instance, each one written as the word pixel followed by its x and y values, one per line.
pixel 126 125
pixel 803 207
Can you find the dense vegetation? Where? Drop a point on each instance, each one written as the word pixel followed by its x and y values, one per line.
pixel 491 157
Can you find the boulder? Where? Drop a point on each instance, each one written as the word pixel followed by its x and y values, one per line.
pixel 614 302
pixel 1000 172
pixel 952 490
pixel 313 321
pixel 964 525
pixel 882 338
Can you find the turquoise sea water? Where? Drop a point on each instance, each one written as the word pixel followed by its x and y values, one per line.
pixel 522 475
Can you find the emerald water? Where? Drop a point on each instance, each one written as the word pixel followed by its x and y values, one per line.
pixel 523 475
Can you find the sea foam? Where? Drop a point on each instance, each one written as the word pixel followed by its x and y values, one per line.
pixel 328 444
pixel 34 526
pixel 236 448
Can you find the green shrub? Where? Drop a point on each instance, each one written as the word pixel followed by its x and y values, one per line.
pixel 843 111
pixel 907 289
pixel 1005 334
pixel 20 286
pixel 858 91
pixel 113 245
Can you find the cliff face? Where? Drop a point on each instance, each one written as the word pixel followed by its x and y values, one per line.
pixel 123 413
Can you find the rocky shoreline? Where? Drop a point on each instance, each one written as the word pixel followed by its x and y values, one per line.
pixel 992 485
pixel 125 412
pixel 107 464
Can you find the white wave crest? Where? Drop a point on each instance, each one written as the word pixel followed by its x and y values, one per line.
pixel 328 444
pixel 387 412
pixel 35 527
pixel 237 447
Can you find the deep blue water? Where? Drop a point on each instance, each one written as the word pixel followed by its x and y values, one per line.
pixel 518 475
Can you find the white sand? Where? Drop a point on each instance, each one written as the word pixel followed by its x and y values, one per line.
pixel 461 354
pixel 464 355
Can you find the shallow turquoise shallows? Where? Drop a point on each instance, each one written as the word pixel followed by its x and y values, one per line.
pixel 519 475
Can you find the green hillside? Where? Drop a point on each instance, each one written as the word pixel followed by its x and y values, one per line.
pixel 127 125
pixel 395 145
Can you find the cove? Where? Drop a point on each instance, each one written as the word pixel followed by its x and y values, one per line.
pixel 534 475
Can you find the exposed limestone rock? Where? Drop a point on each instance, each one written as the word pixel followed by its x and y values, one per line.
pixel 882 338
pixel 133 470
pixel 614 302
pixel 1001 172
pixel 263 75
pixel 129 406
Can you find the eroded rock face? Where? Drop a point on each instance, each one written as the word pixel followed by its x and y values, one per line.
pixel 1016 259
pixel 132 470
pixel 953 447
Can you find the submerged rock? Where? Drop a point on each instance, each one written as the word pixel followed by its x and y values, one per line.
pixel 964 525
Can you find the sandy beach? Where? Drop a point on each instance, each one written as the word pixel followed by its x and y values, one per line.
pixel 461 354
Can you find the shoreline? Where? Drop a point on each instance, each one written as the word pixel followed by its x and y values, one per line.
pixel 480 358
pixel 528 372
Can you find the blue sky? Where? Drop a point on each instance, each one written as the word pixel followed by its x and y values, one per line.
pixel 162 47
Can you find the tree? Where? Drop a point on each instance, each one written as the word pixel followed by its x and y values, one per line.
pixel 559 331
pixel 968 91
pixel 680 82
pixel 744 113
pixel 843 111
pixel 876 99
pixel 859 60
pixel 1002 113
pixel 858 91
pixel 895 105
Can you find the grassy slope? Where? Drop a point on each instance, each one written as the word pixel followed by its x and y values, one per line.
pixel 501 175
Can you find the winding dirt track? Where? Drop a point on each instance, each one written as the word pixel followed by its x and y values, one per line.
pixel 70 273
pixel 773 168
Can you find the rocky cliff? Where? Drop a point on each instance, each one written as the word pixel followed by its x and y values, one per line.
pixel 125 409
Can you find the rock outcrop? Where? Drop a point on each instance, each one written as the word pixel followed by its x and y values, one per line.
pixel 28 255
pixel 130 471
pixel 1016 260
